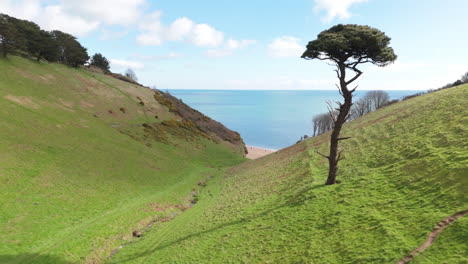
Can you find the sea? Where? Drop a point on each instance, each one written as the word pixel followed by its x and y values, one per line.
pixel 268 119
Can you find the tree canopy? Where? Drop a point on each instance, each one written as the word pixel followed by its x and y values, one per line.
pixel 351 45
pixel 100 61
pixel 22 37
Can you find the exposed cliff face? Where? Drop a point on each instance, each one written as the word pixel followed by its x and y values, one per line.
pixel 191 119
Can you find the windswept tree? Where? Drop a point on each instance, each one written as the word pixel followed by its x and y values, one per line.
pixel 100 61
pixel 76 54
pixel 70 51
pixel 48 47
pixel 347 47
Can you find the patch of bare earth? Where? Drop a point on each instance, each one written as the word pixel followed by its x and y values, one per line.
pixel 65 105
pixel 86 104
pixel 23 100
pixel 47 77
pixel 433 235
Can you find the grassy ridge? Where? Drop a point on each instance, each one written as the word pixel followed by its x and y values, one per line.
pixel 74 182
pixel 405 170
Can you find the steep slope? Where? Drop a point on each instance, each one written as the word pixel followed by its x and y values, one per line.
pixel 405 170
pixel 81 164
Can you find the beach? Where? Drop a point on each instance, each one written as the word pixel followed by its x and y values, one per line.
pixel 256 152
pixel 256 114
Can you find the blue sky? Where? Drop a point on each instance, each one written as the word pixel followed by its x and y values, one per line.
pixel 257 44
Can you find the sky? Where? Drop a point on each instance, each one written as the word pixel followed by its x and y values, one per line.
pixel 256 45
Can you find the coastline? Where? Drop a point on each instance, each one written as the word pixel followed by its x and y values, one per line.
pixel 257 152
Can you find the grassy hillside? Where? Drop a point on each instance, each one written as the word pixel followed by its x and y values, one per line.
pixel 81 166
pixel 405 170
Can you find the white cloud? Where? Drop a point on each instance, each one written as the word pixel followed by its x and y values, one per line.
pixel 82 17
pixel 335 8
pixel 285 47
pixel 53 17
pixel 154 32
pixel 180 28
pixel 20 8
pixel 74 17
pixel 112 12
pixel 49 17
pixel 239 44
pixel 126 64
pixel 110 35
pixel 169 56
pixel 230 47
pixel 204 35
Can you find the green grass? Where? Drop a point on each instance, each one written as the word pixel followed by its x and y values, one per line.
pixel 405 169
pixel 73 182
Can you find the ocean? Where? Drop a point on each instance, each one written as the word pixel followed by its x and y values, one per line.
pixel 266 119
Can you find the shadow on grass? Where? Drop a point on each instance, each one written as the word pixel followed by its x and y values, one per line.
pixel 197 234
pixel 299 197
pixel 32 259
pixel 292 201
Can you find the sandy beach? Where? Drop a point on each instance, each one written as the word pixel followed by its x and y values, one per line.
pixel 256 152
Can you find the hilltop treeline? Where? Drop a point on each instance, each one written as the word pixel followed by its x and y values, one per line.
pixel 25 38
pixel 371 101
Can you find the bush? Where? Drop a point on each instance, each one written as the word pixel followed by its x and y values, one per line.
pixel 464 78
pixel 100 61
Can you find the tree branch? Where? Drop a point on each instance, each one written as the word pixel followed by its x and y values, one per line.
pixel 343 138
pixel 337 73
pixel 354 89
pixel 355 77
pixel 323 155
pixel 340 157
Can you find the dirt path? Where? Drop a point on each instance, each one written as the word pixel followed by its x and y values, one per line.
pixel 193 201
pixel 432 236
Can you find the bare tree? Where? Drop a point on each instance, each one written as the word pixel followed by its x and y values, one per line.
pixel 322 123
pixel 370 102
pixel 464 78
pixel 377 99
pixel 360 108
pixel 131 74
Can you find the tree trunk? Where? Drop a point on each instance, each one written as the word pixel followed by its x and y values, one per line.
pixel 334 156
